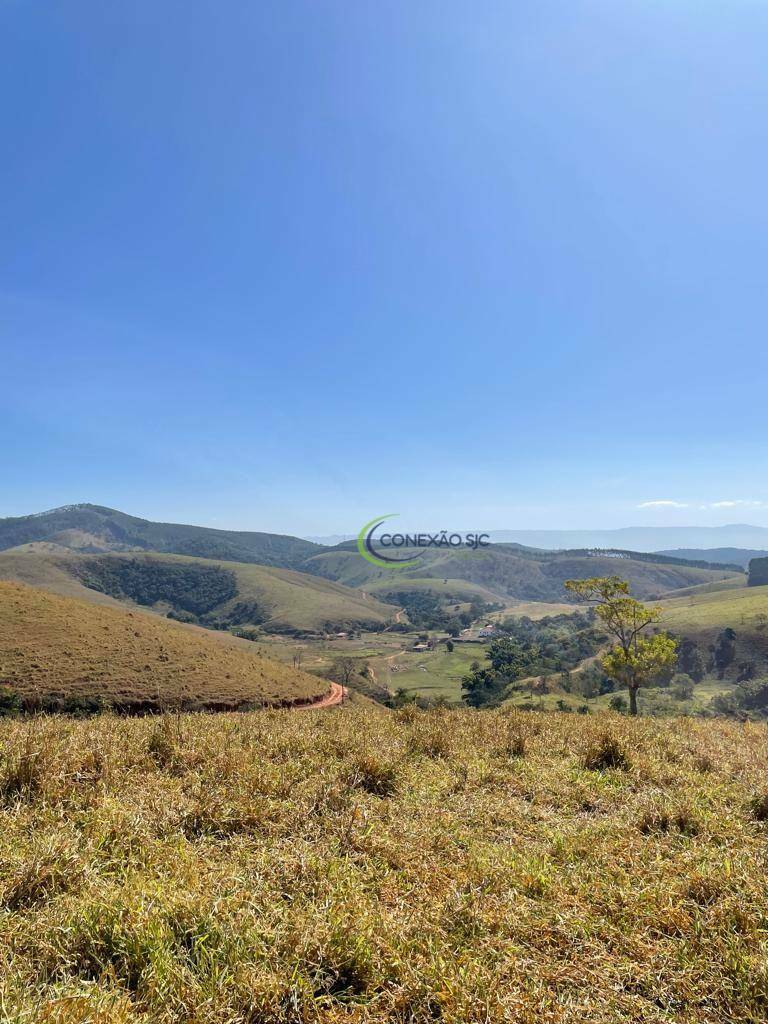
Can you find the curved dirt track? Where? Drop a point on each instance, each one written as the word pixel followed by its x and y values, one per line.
pixel 330 700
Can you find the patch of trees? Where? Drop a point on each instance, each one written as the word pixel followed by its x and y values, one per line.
pixel 530 649
pixel 429 611
pixel 247 613
pixel 591 681
pixel 748 699
pixel 189 588
pixel 724 651
pixel 351 626
pixel 720 657
pixel 758 572
pixel 689 660
pixel 563 640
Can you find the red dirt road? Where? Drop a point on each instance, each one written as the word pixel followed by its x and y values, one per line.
pixel 330 700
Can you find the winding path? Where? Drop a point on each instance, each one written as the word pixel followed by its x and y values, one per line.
pixel 329 700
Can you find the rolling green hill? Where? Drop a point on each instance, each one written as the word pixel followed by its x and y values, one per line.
pixel 59 649
pixel 448 591
pixel 94 528
pixel 200 590
pixel 511 572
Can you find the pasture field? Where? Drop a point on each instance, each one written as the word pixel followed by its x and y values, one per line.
pixel 364 867
pixel 739 607
pixel 435 674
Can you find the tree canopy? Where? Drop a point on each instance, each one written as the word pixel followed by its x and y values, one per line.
pixel 636 658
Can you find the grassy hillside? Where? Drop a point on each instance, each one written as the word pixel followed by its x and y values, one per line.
pixel 53 647
pixel 275 598
pixel 365 867
pixel 448 591
pixel 702 616
pixel 510 572
pixel 92 528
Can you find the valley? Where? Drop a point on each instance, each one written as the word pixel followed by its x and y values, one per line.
pixel 392 637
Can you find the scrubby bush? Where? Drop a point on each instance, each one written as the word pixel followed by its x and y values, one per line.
pixel 606 752
pixel 10 702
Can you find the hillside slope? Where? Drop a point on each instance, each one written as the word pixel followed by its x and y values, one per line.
pixel 278 599
pixel 513 572
pixel 54 647
pixel 702 616
pixel 92 528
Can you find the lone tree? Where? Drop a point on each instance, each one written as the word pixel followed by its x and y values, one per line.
pixel 636 658
pixel 343 670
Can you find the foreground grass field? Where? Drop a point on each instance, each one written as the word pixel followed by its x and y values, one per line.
pixel 361 866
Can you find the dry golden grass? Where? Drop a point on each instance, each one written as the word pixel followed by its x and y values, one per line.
pixel 52 646
pixel 360 866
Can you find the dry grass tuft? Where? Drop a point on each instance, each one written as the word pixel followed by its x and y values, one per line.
pixel 758 805
pixel 374 775
pixel 607 752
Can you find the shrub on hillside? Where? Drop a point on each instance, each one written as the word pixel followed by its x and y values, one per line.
pixel 606 752
pixel 10 702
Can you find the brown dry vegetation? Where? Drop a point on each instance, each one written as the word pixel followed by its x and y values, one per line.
pixel 52 646
pixel 362 866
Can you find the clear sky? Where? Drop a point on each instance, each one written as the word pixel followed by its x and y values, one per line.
pixel 289 265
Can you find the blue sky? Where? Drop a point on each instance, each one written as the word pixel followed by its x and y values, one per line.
pixel 288 266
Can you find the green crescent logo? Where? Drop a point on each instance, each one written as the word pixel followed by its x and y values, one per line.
pixel 364 546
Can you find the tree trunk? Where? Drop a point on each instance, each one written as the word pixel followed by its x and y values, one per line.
pixel 633 700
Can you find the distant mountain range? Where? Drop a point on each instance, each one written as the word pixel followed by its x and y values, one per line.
pixel 630 538
pixel 642 538
pixel 508 569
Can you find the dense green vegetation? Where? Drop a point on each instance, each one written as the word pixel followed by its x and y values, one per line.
pixel 758 572
pixel 189 587
pixel 428 610
pixel 531 648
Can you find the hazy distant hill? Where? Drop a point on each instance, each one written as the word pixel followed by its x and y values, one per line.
pixel 640 538
pixel 730 556
pixel 94 528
